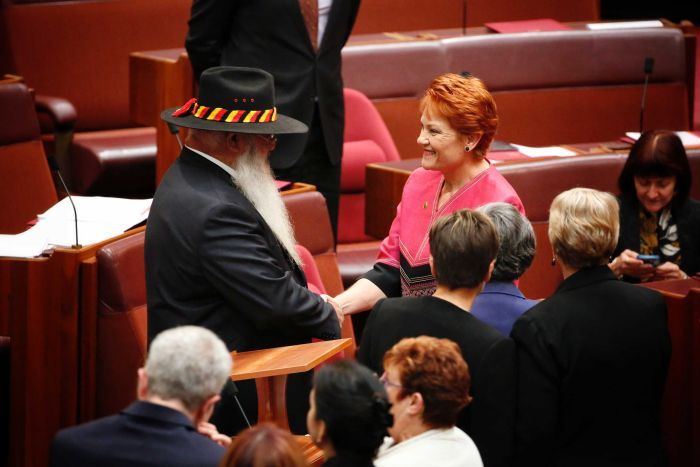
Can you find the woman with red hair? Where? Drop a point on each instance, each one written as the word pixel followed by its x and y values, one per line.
pixel 458 124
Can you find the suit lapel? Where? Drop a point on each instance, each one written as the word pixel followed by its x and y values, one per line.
pixel 298 21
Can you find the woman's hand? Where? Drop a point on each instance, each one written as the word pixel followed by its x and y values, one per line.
pixel 668 271
pixel 209 430
pixel 627 264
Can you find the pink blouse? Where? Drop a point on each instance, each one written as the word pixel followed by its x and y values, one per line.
pixel 406 247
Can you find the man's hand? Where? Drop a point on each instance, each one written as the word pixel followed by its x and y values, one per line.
pixel 209 430
pixel 338 310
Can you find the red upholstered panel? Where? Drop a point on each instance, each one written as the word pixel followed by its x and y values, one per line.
pixel 18 120
pixel 363 122
pixel 309 216
pixel 121 323
pixel 27 188
pixel 351 219
pixel 356 156
pixel 402 118
pixel 313 277
pixel 80 50
pixel 578 115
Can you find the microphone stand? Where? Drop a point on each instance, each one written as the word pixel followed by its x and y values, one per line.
pixel 54 166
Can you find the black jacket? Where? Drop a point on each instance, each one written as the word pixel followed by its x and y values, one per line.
pixel 141 435
pixel 271 35
pixel 687 219
pixel 592 363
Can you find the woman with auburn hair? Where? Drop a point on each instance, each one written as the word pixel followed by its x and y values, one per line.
pixel 593 357
pixel 428 385
pixel 658 220
pixel 348 415
pixel 458 124
pixel 264 445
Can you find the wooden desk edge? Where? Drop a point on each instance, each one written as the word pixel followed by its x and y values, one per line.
pixel 332 348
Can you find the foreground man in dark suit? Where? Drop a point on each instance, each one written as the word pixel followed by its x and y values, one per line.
pixel 219 246
pixel 299 43
pixel 177 389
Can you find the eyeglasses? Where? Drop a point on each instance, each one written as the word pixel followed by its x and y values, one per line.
pixel 388 383
pixel 268 138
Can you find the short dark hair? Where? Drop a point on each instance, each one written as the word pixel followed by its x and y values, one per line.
pixel 353 404
pixel 463 245
pixel 657 153
pixel 517 245
pixel 436 369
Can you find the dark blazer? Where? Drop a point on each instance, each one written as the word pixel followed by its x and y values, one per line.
pixel 212 261
pixel 687 219
pixel 500 304
pixel 592 366
pixel 489 420
pixel 271 35
pixel 143 434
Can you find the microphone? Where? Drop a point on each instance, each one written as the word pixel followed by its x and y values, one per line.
pixel 53 164
pixel 648 69
pixel 240 407
pixel 174 129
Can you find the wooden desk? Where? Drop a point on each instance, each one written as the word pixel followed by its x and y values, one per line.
pixel 270 367
pixel 40 310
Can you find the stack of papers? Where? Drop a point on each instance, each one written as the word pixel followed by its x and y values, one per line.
pixel 99 219
pixel 687 138
pixel 546 151
pixel 625 25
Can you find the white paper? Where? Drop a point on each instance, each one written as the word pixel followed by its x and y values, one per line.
pixel 545 151
pixel 626 25
pixel 28 244
pixel 99 218
pixel 687 138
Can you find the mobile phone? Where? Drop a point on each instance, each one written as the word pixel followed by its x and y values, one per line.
pixel 654 260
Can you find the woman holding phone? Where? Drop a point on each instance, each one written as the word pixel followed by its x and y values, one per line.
pixel 659 223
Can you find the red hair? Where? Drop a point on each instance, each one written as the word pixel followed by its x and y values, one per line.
pixel 264 445
pixel 466 104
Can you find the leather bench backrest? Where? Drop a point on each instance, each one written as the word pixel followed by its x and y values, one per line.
pixel 27 188
pixel 121 322
pixel 80 50
pixel 550 87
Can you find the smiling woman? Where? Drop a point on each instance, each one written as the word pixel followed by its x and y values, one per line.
pixel 657 217
pixel 458 123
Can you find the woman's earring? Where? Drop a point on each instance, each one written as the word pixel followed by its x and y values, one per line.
pixel 554 260
pixel 467 148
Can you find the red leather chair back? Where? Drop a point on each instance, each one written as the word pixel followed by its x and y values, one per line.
pixel 121 322
pixel 27 188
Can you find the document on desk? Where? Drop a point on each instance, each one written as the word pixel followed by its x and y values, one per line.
pixel 545 151
pixel 28 244
pixel 99 218
pixel 687 138
pixel 625 25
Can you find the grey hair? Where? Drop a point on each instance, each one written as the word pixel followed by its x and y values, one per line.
pixel 189 364
pixel 517 241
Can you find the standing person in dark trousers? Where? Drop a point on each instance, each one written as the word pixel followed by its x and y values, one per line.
pixel 593 357
pixel 220 250
pixel 299 43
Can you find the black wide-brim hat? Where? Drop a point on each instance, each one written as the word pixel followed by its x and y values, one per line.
pixel 236 99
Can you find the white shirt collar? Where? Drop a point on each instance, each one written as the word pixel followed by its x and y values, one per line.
pixel 216 161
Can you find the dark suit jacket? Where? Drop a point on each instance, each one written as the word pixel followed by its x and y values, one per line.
pixel 212 261
pixel 687 219
pixel 143 434
pixel 592 366
pixel 489 420
pixel 271 35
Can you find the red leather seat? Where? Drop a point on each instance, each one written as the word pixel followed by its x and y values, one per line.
pixel 27 188
pixel 367 140
pixel 121 322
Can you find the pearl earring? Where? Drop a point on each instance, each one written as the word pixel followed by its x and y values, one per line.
pixel 467 148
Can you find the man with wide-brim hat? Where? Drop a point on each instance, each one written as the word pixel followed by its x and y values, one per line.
pixel 219 246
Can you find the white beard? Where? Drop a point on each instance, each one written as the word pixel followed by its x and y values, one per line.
pixel 254 178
